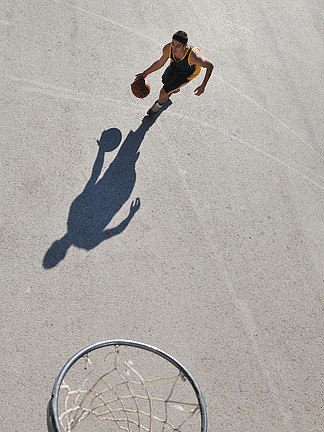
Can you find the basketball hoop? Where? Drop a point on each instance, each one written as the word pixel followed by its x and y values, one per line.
pixel 133 386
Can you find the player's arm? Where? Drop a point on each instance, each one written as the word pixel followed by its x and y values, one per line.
pixel 157 64
pixel 199 60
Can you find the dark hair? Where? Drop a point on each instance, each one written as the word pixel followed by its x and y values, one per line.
pixel 181 36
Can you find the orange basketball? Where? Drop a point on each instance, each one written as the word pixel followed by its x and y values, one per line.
pixel 140 88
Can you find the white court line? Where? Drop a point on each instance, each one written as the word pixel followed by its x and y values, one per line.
pixel 252 32
pixel 108 20
pixel 5 22
pixel 241 305
pixel 303 60
pixel 221 79
pixel 64 93
pixel 255 148
pixel 234 24
pixel 134 31
pixel 270 114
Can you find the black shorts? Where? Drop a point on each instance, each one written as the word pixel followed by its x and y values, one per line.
pixel 173 80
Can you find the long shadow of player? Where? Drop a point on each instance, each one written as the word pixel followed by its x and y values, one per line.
pixel 94 208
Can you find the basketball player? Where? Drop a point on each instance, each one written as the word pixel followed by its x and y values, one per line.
pixel 185 65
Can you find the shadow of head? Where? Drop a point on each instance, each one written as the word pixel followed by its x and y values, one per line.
pixel 110 139
pixel 56 253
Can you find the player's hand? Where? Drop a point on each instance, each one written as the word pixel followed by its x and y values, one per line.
pixel 141 75
pixel 199 90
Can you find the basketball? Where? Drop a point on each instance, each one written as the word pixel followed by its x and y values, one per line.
pixel 140 88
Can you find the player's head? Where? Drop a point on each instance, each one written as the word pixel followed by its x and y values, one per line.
pixel 56 252
pixel 181 36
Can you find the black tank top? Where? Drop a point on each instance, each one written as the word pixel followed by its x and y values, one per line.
pixel 183 65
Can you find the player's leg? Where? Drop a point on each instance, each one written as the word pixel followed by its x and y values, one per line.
pixel 163 97
pixel 172 83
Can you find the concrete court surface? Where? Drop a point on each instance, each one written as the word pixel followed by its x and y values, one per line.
pixel 221 264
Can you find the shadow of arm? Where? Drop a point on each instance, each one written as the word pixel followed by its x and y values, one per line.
pixel 96 170
pixel 109 233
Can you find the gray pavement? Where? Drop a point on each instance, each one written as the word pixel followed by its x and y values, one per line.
pixel 222 263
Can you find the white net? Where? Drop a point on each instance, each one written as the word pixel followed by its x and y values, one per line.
pixel 128 389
